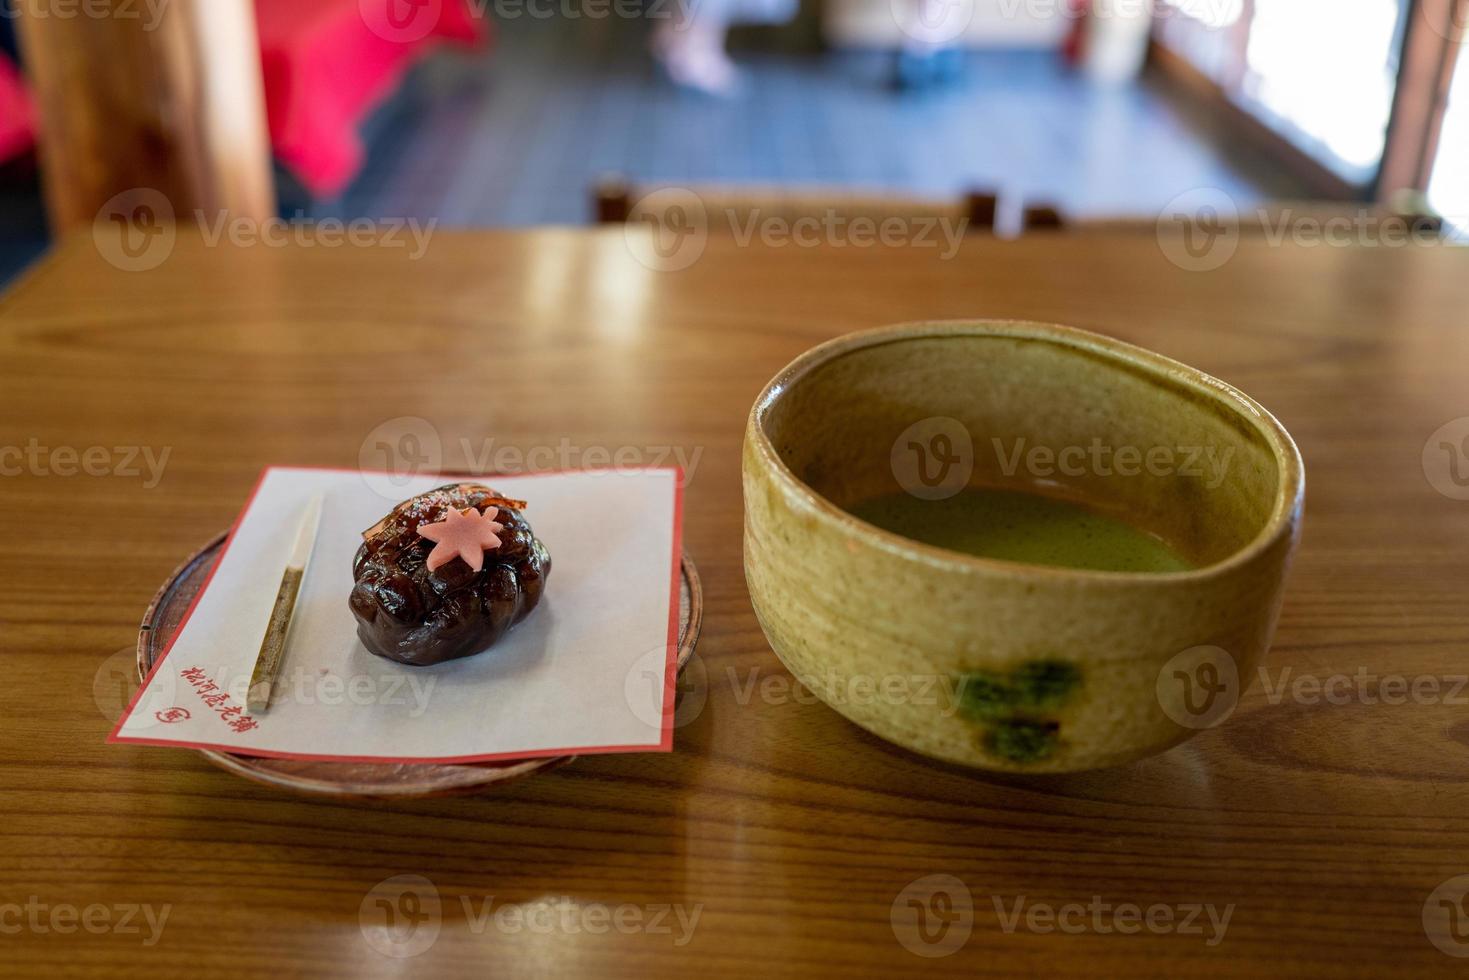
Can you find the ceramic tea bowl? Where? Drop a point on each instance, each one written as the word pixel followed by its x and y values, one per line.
pixel 996 664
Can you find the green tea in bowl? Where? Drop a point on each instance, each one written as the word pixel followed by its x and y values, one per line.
pixel 1082 544
pixel 1013 525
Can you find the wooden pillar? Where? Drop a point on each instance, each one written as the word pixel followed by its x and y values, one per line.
pixel 1431 47
pixel 162 95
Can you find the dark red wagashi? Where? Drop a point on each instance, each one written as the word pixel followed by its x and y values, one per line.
pixel 416 615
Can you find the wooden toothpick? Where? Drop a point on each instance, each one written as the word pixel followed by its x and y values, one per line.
pixel 273 647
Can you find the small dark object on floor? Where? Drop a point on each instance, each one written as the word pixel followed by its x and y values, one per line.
pixel 918 72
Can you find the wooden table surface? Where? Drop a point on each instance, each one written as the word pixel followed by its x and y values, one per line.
pixel 1322 827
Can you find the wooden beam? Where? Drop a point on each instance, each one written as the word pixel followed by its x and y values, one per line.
pixel 134 95
pixel 1430 53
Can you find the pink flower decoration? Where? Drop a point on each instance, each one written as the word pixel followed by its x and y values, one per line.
pixel 466 535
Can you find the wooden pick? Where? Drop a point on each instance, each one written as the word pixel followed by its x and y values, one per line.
pixel 273 647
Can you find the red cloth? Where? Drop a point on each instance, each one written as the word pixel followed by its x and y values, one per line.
pixel 326 63
pixel 17 115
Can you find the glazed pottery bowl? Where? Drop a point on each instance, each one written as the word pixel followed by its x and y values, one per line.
pixel 998 664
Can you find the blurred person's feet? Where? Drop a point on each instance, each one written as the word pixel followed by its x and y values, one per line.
pixel 693 57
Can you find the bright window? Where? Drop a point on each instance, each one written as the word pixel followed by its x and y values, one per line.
pixel 1213 14
pixel 1322 73
pixel 1448 191
pixel 1329 70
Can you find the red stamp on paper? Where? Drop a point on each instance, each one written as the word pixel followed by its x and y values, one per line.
pixel 170 715
pixel 217 700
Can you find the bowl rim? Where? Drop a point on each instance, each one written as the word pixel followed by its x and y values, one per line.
pixel 1289 491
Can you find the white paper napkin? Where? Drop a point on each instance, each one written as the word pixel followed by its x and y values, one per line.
pixel 590 670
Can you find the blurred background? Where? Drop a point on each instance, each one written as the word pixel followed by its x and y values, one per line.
pixel 486 113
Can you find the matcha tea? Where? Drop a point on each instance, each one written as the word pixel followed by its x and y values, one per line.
pixel 1023 527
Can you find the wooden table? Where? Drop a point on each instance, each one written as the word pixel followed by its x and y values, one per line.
pixel 793 833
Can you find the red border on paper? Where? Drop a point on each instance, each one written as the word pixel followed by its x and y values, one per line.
pixel 670 670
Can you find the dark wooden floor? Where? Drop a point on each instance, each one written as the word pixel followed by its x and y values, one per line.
pixel 515 135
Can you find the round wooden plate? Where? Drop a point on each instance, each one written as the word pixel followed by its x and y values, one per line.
pixel 363 780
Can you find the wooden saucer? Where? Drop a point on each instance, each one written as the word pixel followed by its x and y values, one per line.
pixel 361 780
